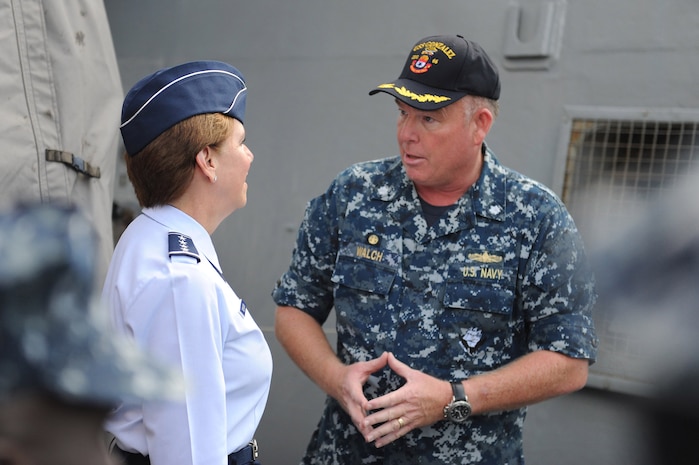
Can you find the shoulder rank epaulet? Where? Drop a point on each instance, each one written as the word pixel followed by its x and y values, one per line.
pixel 179 244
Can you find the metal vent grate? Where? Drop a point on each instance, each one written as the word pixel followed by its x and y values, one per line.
pixel 613 167
pixel 631 160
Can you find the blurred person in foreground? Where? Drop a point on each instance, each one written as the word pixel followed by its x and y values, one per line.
pixel 61 367
pixel 648 270
pixel 187 160
pixel 461 288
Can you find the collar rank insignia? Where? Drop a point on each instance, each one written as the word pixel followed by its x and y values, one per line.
pixel 179 245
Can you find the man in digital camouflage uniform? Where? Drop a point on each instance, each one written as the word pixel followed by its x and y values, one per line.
pixel 461 288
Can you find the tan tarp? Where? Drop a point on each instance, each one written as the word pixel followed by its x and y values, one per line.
pixel 60 91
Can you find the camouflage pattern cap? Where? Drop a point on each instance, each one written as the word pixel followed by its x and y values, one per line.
pixel 53 336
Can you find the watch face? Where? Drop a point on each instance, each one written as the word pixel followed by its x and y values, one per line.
pixel 459 411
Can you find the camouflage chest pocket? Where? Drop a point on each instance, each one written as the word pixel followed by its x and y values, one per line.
pixel 477 324
pixel 481 287
pixel 365 268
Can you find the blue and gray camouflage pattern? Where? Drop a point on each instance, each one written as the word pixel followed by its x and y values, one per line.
pixel 501 274
pixel 53 338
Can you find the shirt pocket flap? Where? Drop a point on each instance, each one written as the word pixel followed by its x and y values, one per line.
pixel 364 269
pixel 484 289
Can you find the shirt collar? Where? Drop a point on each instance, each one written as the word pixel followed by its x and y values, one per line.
pixel 175 220
pixel 487 195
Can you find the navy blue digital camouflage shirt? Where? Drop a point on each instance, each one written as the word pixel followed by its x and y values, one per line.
pixel 502 273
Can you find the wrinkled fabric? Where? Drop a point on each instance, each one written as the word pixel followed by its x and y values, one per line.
pixel 501 274
pixel 61 90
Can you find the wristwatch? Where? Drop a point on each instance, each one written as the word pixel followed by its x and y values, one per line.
pixel 459 409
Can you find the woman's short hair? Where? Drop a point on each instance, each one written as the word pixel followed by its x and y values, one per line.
pixel 163 170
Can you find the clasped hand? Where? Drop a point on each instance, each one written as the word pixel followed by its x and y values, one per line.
pixel 416 404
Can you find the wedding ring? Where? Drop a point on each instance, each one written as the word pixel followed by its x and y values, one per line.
pixel 401 423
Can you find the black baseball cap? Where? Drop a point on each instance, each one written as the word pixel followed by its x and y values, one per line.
pixel 442 69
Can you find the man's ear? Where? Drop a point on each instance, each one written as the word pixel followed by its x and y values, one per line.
pixel 12 454
pixel 484 121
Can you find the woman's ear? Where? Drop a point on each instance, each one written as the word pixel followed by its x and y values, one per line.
pixel 206 162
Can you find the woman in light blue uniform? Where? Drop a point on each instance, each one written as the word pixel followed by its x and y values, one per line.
pixel 188 162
